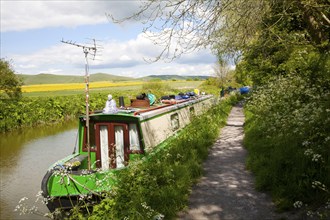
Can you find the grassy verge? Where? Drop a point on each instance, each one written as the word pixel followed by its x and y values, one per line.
pixel 287 135
pixel 160 185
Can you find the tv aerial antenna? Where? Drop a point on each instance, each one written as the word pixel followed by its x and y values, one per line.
pixel 88 50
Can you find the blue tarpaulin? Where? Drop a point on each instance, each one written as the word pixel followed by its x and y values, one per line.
pixel 244 90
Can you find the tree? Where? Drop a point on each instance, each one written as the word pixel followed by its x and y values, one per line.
pixel 226 26
pixel 10 84
pixel 291 40
pixel 221 71
pixel 183 26
pixel 299 22
pixel 267 31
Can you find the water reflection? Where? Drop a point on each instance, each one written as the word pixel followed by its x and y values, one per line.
pixel 25 156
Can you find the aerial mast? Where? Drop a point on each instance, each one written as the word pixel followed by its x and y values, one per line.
pixel 88 50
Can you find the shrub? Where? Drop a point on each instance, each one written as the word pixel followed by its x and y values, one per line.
pixel 288 137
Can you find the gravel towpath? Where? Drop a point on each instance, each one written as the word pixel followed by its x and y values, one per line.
pixel 226 191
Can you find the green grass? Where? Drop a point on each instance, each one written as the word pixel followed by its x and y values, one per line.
pixel 58 79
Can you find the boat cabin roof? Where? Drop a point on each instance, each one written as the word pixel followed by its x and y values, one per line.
pixel 130 113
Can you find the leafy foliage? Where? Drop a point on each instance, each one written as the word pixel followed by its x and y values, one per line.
pixel 10 85
pixel 287 43
pixel 29 112
pixel 288 139
pixel 287 132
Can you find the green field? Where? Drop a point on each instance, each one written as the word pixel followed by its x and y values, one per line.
pixel 176 85
pixel 56 79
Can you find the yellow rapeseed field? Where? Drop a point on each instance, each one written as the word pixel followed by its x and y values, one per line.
pixel 75 86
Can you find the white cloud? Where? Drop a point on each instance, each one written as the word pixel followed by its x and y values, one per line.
pixel 52 71
pixel 26 15
pixel 126 58
pixel 117 57
pixel 27 66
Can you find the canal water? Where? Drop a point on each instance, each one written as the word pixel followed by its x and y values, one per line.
pixel 25 156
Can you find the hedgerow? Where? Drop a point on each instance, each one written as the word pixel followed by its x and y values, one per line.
pixel 29 112
pixel 287 134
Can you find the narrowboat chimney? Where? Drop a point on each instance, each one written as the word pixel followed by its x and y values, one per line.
pixel 121 102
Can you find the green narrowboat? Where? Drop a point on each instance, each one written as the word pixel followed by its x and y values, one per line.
pixel 108 142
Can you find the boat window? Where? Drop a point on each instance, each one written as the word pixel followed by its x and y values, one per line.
pixel 175 121
pixel 104 142
pixel 119 143
pixel 134 143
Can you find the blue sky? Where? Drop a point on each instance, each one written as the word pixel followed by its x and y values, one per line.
pixel 31 34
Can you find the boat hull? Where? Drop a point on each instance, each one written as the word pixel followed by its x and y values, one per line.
pixel 66 189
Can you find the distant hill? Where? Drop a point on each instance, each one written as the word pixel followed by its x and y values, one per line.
pixel 108 77
pixel 54 79
pixel 97 77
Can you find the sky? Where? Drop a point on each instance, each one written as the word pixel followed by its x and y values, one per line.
pixel 31 34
